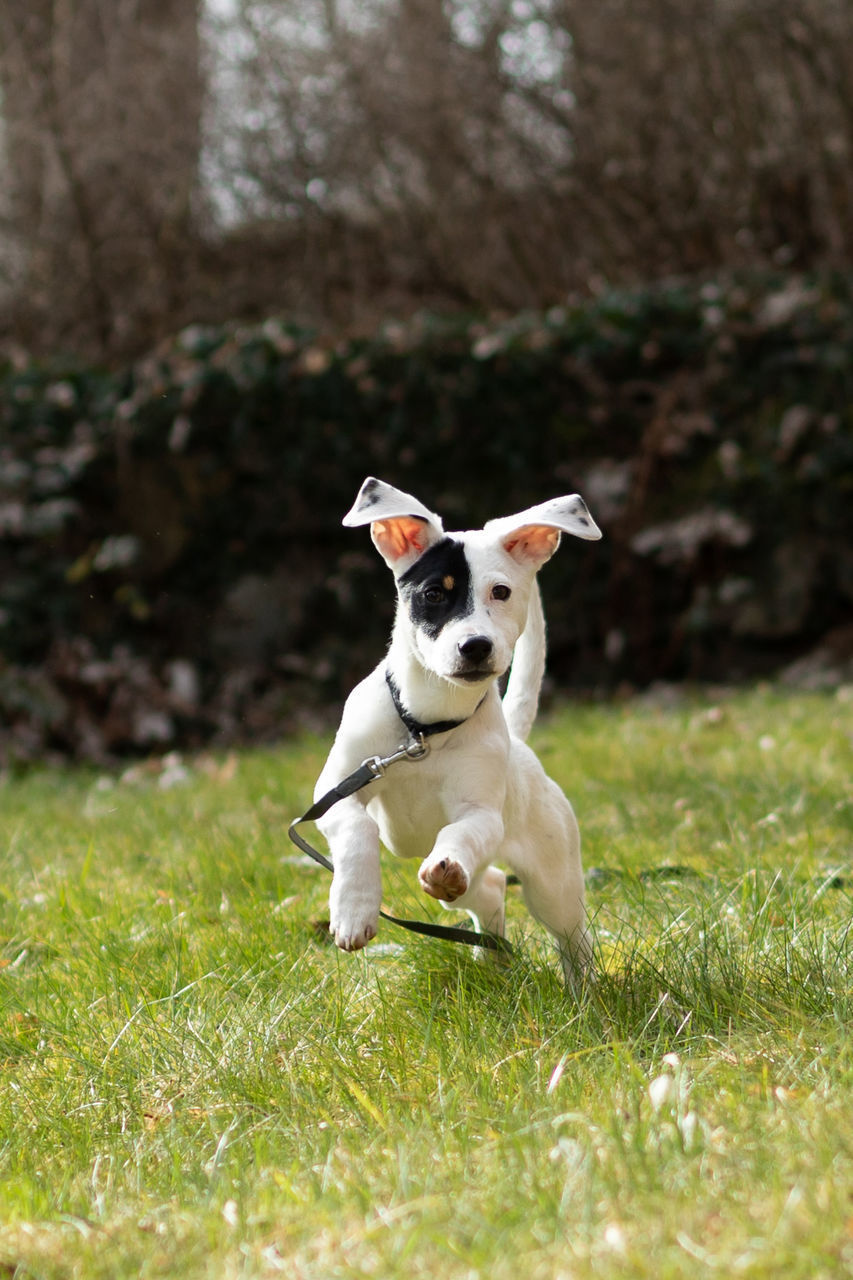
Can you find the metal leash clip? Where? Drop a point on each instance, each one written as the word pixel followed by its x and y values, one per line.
pixel 411 751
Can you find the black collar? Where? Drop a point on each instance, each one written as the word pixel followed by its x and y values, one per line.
pixel 415 727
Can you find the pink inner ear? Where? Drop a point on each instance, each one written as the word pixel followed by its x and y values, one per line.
pixel 397 537
pixel 533 542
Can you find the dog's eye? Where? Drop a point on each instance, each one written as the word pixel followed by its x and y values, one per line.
pixel 501 592
pixel 433 595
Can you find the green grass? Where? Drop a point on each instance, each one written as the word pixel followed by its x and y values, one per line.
pixel 193 1085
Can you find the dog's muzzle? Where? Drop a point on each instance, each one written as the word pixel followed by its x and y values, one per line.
pixel 476 653
pixel 476 650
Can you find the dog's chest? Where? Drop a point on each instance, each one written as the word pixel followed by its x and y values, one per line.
pixel 413 803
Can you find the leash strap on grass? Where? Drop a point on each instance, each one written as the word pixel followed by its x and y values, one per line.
pixel 368 771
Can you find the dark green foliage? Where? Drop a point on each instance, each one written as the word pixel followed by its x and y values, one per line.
pixel 188 509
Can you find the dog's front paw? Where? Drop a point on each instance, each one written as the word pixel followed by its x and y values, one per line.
pixel 443 878
pixel 354 912
pixel 352 936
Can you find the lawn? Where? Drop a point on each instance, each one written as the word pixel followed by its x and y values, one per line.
pixel 196 1085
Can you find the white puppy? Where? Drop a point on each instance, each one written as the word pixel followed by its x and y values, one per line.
pixel 467 602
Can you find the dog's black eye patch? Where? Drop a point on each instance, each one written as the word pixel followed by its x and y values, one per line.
pixel 437 588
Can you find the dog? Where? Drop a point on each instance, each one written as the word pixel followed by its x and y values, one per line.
pixel 468 611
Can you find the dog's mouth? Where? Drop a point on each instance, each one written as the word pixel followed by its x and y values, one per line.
pixel 474 675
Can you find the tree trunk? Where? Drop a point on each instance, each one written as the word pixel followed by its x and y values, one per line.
pixel 102 108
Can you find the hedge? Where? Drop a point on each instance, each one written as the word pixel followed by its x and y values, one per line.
pixel 172 566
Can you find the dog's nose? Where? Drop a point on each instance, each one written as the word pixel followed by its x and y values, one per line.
pixel 476 648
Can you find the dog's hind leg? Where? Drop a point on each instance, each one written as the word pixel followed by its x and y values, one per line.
pixel 484 901
pixel 556 900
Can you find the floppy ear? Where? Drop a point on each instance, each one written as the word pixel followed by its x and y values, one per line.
pixel 532 536
pixel 401 527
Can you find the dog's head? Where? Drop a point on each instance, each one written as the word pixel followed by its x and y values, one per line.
pixel 464 596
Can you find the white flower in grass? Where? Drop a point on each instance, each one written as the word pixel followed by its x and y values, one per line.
pixel 662 1091
pixel 614 1238
pixel 688 1126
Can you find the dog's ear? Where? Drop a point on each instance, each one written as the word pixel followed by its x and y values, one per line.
pixel 532 536
pixel 401 527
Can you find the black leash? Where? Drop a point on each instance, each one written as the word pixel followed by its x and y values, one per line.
pixel 371 770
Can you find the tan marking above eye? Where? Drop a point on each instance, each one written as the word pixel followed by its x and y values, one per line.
pixel 448 582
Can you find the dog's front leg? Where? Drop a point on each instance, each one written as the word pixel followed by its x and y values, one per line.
pixel 461 849
pixel 356 893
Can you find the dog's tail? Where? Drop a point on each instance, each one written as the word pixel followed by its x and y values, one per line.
pixel 528 667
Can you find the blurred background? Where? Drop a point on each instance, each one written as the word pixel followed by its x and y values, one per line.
pixel 253 250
